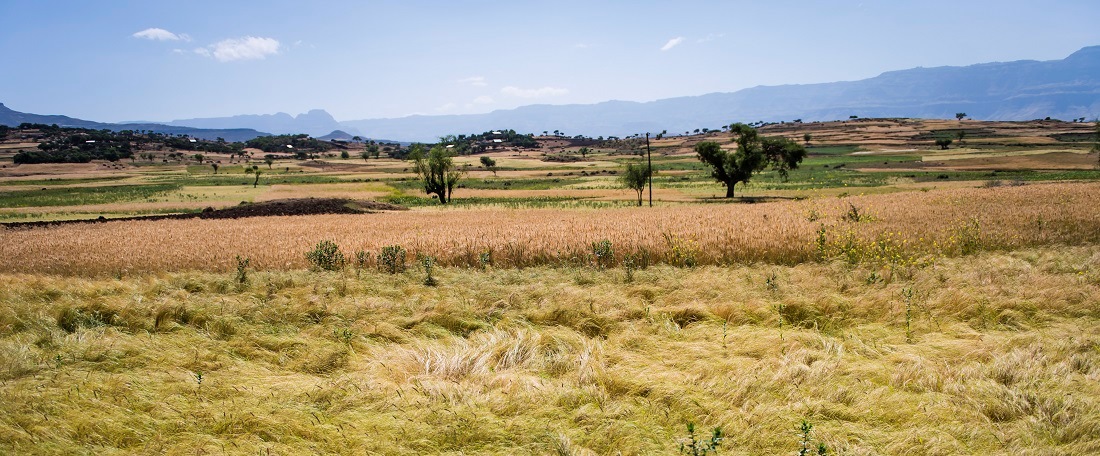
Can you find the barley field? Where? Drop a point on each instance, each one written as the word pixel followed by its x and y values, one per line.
pixel 991 353
pixel 895 230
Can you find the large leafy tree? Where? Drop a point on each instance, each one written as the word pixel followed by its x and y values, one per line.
pixel 436 170
pixel 753 154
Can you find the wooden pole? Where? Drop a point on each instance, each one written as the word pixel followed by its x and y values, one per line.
pixel 649 157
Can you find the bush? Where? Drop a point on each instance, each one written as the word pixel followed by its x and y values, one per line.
pixel 392 259
pixel 326 256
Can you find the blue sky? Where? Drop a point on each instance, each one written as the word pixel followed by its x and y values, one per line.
pixel 146 60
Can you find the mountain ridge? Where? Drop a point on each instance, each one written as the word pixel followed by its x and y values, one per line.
pixel 1016 90
pixel 14 118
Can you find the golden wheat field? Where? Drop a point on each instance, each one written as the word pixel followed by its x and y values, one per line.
pixel 894 229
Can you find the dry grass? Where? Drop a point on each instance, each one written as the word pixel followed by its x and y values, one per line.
pixel 1002 356
pixel 916 224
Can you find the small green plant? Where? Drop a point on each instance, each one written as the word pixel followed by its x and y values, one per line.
pixel 326 256
pixel 603 253
pixel 873 278
pixel 968 237
pixel 344 335
pixel 699 445
pixel 485 258
pixel 428 263
pixel 392 259
pixel 772 282
pixel 805 441
pixel 242 270
pixel 198 378
pixel 361 259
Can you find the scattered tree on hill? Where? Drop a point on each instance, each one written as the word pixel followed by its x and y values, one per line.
pixel 584 151
pixel 215 166
pixel 489 164
pixel 257 171
pixel 270 160
pixel 199 158
pixel 943 143
pixel 365 155
pixel 373 149
pixel 806 138
pixel 960 115
pixel 635 178
pixel 344 155
pixel 960 135
pixel 753 154
pixel 436 170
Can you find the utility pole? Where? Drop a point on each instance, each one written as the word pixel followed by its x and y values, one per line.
pixel 649 157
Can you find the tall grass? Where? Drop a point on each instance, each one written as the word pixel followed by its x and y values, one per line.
pixel 999 355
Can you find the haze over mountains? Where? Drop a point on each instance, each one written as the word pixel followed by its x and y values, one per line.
pixel 13 118
pixel 1020 90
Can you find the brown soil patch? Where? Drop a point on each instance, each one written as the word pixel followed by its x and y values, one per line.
pixel 284 207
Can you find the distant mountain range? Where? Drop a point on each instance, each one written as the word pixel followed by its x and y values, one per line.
pixel 315 123
pixel 15 118
pixel 1022 90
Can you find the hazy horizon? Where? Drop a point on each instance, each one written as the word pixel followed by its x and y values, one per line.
pixel 133 61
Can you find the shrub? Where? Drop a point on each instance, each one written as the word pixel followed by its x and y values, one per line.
pixel 428 263
pixel 326 256
pixel 392 259
pixel 603 253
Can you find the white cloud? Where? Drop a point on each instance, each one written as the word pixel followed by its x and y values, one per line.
pixel 534 93
pixel 159 34
pixel 483 100
pixel 672 43
pixel 711 37
pixel 247 48
pixel 476 81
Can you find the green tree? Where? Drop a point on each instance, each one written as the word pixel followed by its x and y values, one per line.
pixel 365 155
pixel 635 178
pixel 269 160
pixel 436 170
pixel 943 143
pixel 373 149
pixel 753 154
pixel 489 164
pixel 199 158
pixel 215 166
pixel 806 137
pixel 960 115
pixel 344 155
